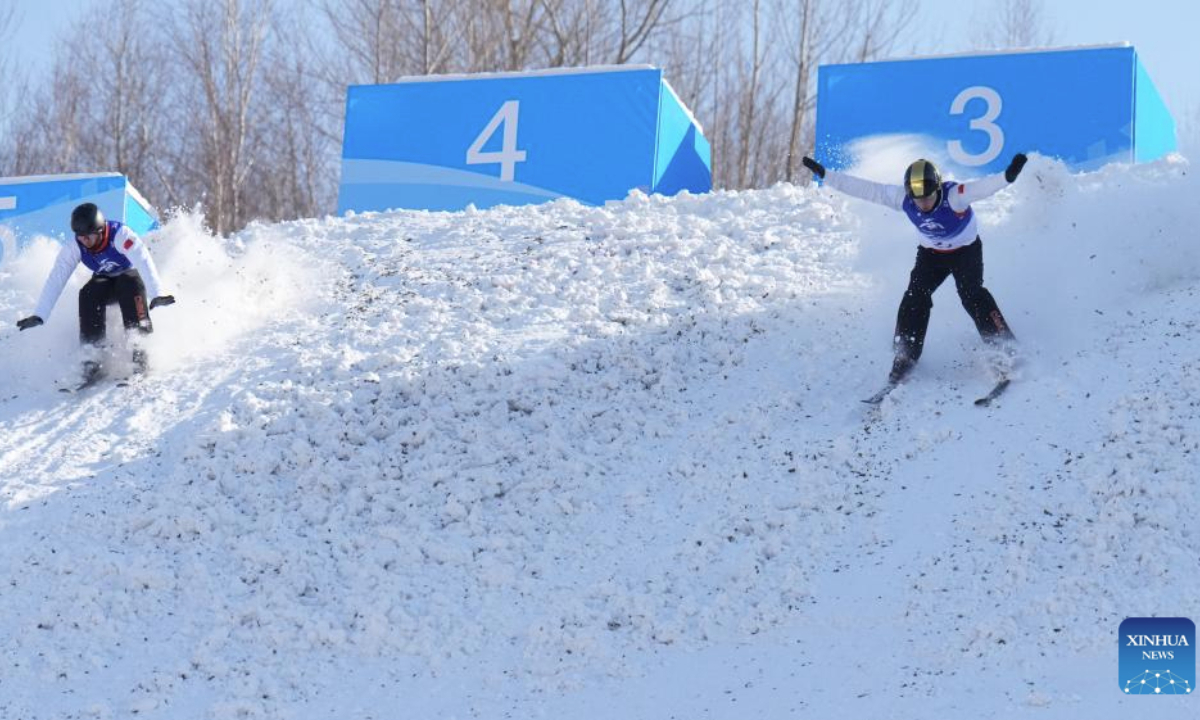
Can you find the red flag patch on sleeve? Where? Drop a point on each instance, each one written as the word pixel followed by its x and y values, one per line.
pixel 128 244
pixel 962 189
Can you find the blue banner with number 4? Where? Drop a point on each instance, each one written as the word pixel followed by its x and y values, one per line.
pixel 446 142
pixel 1085 106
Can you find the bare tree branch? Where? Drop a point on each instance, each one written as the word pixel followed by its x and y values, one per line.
pixel 221 46
pixel 1016 24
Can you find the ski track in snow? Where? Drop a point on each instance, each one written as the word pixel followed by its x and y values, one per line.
pixel 529 460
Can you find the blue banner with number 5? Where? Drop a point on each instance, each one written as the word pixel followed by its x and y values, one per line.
pixel 446 142
pixel 1085 106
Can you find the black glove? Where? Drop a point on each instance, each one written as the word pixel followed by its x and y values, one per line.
pixel 162 300
pixel 817 168
pixel 30 322
pixel 1014 167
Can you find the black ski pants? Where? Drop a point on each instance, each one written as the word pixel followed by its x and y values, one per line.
pixel 101 291
pixel 931 269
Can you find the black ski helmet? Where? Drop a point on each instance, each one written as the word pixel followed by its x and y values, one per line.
pixel 922 180
pixel 86 218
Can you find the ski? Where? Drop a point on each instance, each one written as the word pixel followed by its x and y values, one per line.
pixel 879 396
pixel 121 382
pixel 998 390
pixel 900 370
pixel 72 389
pixel 92 373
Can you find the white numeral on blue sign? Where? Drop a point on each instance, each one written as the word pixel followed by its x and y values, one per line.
pixel 986 123
pixel 508 156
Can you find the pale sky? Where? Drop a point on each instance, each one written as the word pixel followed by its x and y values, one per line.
pixel 1163 31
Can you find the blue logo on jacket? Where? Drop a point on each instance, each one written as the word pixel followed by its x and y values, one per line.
pixel 943 223
pixel 110 260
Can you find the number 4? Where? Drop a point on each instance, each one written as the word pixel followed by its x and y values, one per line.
pixel 509 155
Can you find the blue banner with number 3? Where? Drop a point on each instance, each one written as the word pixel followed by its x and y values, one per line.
pixel 1086 106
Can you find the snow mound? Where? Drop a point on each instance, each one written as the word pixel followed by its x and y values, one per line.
pixel 532 449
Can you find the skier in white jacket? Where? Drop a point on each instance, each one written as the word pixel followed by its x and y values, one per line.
pixel 122 272
pixel 949 244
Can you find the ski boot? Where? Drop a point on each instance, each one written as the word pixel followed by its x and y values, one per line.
pixel 91 371
pixel 140 361
pixel 902 365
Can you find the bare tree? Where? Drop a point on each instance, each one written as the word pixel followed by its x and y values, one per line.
pixel 380 41
pixel 13 82
pixel 220 47
pixel 504 35
pixel 812 32
pixel 97 111
pixel 296 169
pixel 638 23
pixel 368 35
pixel 129 62
pixel 801 59
pixel 1016 24
pixel 748 102
pixel 879 25
pixel 47 133
pixel 699 60
pixel 753 83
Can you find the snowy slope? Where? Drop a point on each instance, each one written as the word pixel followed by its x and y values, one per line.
pixel 584 462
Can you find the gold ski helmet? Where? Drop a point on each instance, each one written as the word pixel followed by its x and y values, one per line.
pixel 922 180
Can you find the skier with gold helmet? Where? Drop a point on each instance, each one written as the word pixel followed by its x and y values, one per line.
pixel 949 245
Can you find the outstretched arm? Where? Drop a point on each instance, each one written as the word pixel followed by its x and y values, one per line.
pixel 887 195
pixel 891 196
pixel 64 265
pixel 966 193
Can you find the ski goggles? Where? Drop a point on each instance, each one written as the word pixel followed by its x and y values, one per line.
pixel 92 239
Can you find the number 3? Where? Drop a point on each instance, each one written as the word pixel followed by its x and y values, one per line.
pixel 986 123
pixel 509 155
